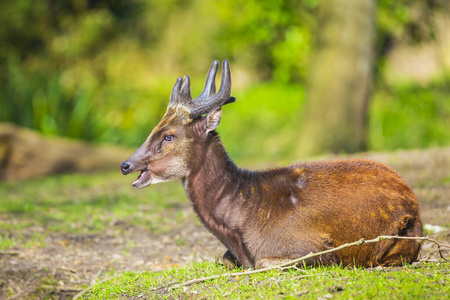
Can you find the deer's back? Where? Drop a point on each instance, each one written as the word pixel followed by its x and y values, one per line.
pixel 319 205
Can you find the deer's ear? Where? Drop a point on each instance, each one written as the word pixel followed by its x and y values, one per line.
pixel 212 119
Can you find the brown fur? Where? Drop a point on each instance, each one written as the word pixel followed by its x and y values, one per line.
pixel 269 217
pixel 289 212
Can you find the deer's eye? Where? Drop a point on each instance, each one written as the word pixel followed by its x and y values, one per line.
pixel 169 138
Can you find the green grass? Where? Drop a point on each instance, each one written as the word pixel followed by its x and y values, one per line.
pixel 74 204
pixel 424 280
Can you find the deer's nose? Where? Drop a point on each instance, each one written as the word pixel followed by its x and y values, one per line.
pixel 125 167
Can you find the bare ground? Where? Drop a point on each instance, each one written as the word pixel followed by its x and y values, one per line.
pixel 71 262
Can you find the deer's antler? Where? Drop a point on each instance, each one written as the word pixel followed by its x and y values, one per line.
pixel 208 99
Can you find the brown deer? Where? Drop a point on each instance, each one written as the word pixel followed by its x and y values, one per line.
pixel 270 217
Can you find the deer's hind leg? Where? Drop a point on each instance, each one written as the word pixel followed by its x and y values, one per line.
pixel 396 252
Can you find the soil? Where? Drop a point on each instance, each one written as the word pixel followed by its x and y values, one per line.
pixel 69 263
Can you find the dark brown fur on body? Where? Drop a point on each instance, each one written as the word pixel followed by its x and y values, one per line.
pixel 289 212
pixel 270 217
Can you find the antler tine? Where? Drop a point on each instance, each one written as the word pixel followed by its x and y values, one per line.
pixel 210 85
pixel 186 90
pixel 223 95
pixel 174 95
pixel 225 84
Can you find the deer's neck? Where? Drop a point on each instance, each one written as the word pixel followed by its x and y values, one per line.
pixel 214 180
pixel 215 187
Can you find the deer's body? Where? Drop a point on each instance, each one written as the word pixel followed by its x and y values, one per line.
pixel 270 217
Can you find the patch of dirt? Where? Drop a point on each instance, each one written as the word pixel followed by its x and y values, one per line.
pixel 69 263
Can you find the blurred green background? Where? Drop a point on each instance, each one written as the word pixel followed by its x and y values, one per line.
pixel 102 71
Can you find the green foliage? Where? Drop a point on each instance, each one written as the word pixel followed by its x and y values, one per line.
pixel 84 70
pixel 262 124
pixel 410 116
pixel 102 71
pixel 271 37
pixel 410 20
pixel 417 281
pixel 52 60
pixel 407 116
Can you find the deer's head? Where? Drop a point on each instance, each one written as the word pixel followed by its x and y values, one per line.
pixel 168 151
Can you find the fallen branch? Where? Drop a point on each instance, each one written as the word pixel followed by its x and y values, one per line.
pixel 362 242
pixel 10 252
pixel 293 263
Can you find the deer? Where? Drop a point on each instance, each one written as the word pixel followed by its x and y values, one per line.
pixel 270 217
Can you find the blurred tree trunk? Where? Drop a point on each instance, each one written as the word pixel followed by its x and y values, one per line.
pixel 335 114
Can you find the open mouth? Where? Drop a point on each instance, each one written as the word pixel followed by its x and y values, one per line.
pixel 144 179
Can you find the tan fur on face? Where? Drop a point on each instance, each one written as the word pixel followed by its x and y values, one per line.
pixel 168 161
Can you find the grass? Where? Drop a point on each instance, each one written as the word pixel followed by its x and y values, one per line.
pixel 74 204
pixel 423 280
